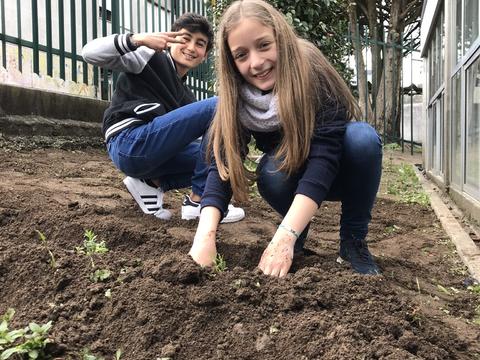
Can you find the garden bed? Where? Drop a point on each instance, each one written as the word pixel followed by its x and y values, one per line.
pixel 156 303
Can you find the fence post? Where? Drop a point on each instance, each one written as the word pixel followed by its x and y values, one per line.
pixel 61 38
pixel 4 42
pixel 115 30
pixel 73 37
pixel 19 34
pixel 36 60
pixel 84 39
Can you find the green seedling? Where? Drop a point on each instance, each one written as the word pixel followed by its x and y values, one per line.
pixel 476 318
pixel 392 146
pixel 44 241
pixel 28 343
pixel 443 289
pixel 118 354
pixel 219 265
pixel 100 275
pixel 91 246
pixel 87 355
pixel 273 329
pixel 391 229
pixel 474 288
pixel 108 293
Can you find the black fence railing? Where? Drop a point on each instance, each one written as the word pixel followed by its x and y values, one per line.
pixel 46 37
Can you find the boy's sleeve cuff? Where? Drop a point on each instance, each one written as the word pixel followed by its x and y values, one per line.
pixel 124 44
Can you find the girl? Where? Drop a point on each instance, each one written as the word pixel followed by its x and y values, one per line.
pixel 282 91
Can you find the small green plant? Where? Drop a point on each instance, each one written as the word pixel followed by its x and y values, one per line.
pixel 118 354
pixel 87 355
pixel 443 289
pixel 219 265
pixel 44 241
pixel 108 293
pixel 392 146
pixel 100 275
pixel 91 246
pixel 406 185
pixel 29 342
pixel 391 229
pixel 474 288
pixel 476 318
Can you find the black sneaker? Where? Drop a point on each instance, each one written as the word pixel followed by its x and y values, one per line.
pixel 357 254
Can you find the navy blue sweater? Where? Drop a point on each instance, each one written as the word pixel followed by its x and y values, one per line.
pixel 319 170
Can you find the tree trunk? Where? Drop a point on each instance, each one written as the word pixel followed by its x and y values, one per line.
pixel 362 86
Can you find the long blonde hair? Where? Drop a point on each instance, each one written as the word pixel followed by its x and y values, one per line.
pixel 304 81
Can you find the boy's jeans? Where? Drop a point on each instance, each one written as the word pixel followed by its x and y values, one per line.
pixel 355 186
pixel 167 148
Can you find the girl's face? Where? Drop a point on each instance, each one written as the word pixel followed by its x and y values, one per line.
pixel 254 52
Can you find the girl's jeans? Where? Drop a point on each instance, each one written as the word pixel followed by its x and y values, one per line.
pixel 167 148
pixel 355 186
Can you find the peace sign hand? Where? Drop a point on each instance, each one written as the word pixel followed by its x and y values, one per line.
pixel 157 41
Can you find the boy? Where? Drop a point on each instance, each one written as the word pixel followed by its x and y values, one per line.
pixel 153 123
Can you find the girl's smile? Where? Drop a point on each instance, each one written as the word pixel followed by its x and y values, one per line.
pixel 254 51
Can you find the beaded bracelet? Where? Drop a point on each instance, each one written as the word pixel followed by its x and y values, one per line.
pixel 290 230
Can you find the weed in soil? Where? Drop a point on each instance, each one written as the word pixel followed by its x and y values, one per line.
pixel 29 342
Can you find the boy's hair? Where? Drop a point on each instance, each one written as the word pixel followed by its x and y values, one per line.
pixel 195 23
pixel 305 83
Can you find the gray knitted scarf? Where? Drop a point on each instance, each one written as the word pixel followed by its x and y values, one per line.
pixel 257 111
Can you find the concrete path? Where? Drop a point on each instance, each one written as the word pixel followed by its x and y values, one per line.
pixel 466 248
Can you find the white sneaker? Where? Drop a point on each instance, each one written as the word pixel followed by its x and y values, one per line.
pixel 191 211
pixel 149 198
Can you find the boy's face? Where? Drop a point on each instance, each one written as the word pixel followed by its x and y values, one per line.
pixel 191 53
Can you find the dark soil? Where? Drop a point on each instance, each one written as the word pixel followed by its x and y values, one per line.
pixel 162 305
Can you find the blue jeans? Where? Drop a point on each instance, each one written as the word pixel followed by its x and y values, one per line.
pixel 167 148
pixel 355 186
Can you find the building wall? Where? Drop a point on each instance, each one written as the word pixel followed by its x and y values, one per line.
pixel 451 52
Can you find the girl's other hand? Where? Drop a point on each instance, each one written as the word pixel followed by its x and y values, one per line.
pixel 204 250
pixel 277 257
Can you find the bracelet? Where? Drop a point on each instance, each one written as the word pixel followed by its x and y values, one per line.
pixel 290 230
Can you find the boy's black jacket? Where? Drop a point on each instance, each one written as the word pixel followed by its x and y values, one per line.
pixel 148 85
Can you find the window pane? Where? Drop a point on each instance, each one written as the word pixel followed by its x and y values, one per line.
pixel 472 162
pixel 431 70
pixel 439 51
pixel 458 30
pixel 456 130
pixel 470 27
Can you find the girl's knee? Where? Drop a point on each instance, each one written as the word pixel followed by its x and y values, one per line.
pixel 271 182
pixel 361 138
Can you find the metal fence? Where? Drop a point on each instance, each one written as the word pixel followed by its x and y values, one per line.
pixel 51 34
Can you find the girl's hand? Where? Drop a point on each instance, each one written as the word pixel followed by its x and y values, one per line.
pixel 277 257
pixel 204 250
pixel 157 41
